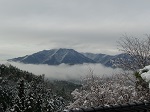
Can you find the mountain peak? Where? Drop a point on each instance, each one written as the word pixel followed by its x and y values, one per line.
pixel 67 56
pixel 55 57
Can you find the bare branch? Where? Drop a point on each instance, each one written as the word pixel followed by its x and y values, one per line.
pixel 137 50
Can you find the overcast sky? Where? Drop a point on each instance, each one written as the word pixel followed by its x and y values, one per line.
pixel 28 26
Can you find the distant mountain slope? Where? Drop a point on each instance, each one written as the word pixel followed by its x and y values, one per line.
pixel 99 58
pixel 68 56
pixel 54 57
pixel 106 60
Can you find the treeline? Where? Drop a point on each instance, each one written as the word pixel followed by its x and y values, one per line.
pixel 21 91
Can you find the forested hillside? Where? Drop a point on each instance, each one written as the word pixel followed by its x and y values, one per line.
pixel 21 91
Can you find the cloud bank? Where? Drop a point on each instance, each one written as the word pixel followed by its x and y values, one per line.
pixel 66 72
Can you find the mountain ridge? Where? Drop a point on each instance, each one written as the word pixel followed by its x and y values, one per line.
pixel 54 57
pixel 67 56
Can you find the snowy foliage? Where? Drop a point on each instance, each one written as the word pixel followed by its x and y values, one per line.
pixel 30 94
pixel 145 74
pixel 97 91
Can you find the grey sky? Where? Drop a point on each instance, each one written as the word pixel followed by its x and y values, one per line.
pixel 28 26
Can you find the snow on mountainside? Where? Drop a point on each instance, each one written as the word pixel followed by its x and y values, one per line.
pixel 54 57
pixel 67 56
pixel 99 58
pixel 106 60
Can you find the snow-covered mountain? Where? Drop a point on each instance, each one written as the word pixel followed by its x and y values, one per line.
pixel 99 58
pixel 67 56
pixel 54 57
pixel 106 60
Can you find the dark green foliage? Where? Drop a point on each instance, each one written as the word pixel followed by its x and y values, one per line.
pixel 138 76
pixel 144 70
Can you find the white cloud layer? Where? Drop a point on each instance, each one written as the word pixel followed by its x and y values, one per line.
pixel 65 72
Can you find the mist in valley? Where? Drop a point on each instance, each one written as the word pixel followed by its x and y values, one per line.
pixel 64 71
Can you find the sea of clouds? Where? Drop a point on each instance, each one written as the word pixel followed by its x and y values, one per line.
pixel 65 72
